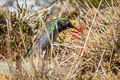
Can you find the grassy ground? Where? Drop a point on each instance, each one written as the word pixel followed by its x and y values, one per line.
pixel 91 54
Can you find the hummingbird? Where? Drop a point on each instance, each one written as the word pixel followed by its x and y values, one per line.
pixel 43 41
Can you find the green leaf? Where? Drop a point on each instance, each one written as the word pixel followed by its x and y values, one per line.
pixel 70 1
pixel 61 1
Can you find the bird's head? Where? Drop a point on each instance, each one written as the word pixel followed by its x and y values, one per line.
pixel 64 23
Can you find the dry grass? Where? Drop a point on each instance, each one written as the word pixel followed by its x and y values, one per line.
pixel 92 56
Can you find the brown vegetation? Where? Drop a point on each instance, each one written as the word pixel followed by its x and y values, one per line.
pixel 92 54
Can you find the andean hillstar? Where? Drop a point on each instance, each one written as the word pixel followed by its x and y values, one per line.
pixel 49 35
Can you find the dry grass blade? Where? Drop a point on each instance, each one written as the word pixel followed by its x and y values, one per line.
pixel 94 55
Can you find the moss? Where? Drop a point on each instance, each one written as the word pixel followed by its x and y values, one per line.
pixel 13 43
pixel 1 15
pixel 37 25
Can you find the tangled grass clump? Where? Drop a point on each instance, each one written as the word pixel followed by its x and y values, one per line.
pixel 92 54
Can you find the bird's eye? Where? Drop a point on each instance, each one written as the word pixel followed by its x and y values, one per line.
pixel 67 23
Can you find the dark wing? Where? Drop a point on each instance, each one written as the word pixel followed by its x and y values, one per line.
pixel 42 41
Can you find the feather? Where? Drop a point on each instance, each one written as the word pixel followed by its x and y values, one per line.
pixel 42 41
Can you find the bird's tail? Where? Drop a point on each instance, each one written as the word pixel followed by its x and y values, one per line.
pixel 34 49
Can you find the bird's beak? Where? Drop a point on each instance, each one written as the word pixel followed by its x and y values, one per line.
pixel 75 27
